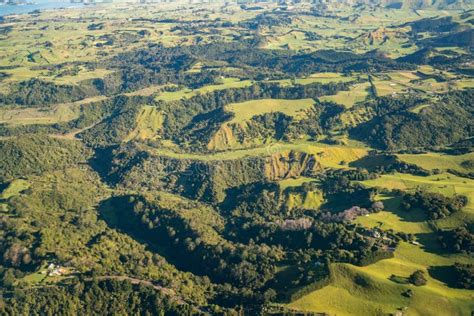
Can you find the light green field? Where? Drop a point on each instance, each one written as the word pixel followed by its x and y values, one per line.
pixel 319 77
pixel 246 110
pixel 82 75
pixel 26 116
pixel 400 82
pixel 443 183
pixel 34 278
pixel 326 77
pixel 328 156
pixel 440 161
pixel 27 73
pixel 368 290
pixel 227 83
pixel 417 109
pixel 294 182
pixel 55 114
pixel 393 217
pixel 357 93
pixel 403 76
pixel 311 200
pixel 386 87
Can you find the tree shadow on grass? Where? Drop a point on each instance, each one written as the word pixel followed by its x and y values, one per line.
pixel 429 242
pixel 393 204
pixel 445 274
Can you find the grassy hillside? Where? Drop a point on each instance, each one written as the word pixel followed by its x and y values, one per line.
pixel 246 110
pixel 368 290
pixel 463 163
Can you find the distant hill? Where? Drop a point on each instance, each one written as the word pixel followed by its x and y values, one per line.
pixel 401 4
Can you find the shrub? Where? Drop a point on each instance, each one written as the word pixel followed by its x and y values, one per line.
pixel 418 278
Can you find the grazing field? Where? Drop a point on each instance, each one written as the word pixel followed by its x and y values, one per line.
pixel 389 87
pixel 246 110
pixel 309 201
pixel 369 291
pixel 49 115
pixel 357 93
pixel 320 77
pixel 227 83
pixel 26 116
pixel 64 76
pixel 394 217
pixel 444 183
pixel 430 161
pixel 294 182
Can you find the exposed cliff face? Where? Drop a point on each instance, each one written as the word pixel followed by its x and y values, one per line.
pixel 209 180
pixel 223 138
pixel 293 164
pixel 241 135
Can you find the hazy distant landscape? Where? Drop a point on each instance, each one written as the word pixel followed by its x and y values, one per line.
pixel 21 8
pixel 237 158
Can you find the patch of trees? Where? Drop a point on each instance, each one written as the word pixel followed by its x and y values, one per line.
pixel 461 39
pixel 266 20
pixel 244 53
pixel 258 216
pixel 338 242
pixel 189 246
pixel 460 239
pixel 313 279
pixel 34 155
pixel 418 278
pixel 445 122
pixel 450 60
pixel 434 25
pixel 17 246
pixel 463 276
pixel 342 193
pixel 4 30
pixel 436 205
pixel 196 179
pixel 385 163
pixel 35 92
pixel 94 297
pixel 95 26
pixel 119 117
pixel 4 75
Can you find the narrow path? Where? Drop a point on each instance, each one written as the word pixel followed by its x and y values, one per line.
pixel 72 135
pixel 165 290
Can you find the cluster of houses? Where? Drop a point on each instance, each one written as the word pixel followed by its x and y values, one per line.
pixel 54 270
